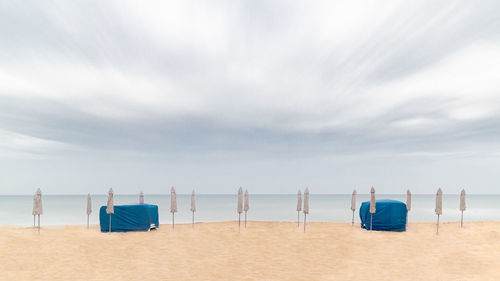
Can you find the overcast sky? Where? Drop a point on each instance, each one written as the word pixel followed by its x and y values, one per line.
pixel 269 95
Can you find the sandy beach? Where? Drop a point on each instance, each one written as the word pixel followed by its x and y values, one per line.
pixel 263 251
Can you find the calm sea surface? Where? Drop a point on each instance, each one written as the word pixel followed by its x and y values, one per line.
pixel 70 209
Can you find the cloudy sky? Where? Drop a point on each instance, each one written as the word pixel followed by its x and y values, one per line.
pixel 270 95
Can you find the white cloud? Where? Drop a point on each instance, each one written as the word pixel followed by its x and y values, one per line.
pixel 18 145
pixel 251 80
pixel 306 70
pixel 467 79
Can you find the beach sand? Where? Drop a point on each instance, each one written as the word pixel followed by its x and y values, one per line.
pixel 263 251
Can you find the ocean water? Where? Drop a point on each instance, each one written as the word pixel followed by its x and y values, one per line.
pixel 70 209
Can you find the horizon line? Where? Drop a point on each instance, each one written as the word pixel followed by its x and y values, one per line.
pixel 130 194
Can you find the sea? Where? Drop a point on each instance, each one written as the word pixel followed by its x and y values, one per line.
pixel 71 209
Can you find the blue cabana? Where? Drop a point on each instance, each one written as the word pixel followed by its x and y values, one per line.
pixel 130 218
pixel 390 215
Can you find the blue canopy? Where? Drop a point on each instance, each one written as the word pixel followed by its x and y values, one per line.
pixel 129 218
pixel 390 215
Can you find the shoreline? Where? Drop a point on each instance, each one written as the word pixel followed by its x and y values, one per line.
pixel 356 223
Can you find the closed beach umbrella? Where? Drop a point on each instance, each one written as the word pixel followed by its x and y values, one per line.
pixel 408 204
pixel 39 200
pixel 246 207
pixel 353 204
pixel 373 204
pixel 462 206
pixel 89 208
pixel 439 207
pixel 110 207
pixel 306 206
pixel 37 207
pixel 141 198
pixel 408 200
pixel 299 206
pixel 193 205
pixel 173 204
pixel 240 205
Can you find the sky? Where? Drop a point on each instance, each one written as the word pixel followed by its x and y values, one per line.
pixel 273 96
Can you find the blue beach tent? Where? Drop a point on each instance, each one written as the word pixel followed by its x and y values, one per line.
pixel 130 218
pixel 390 215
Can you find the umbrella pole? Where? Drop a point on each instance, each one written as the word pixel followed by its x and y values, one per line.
pixel 371 221
pixel 437 226
pixel 109 223
pixel 38 224
pixel 193 219
pixel 462 220
pixel 34 223
pixel 239 221
pixel 173 221
pixel 298 218
pixel 305 217
pixel 245 219
pixel 88 221
pixel 352 217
